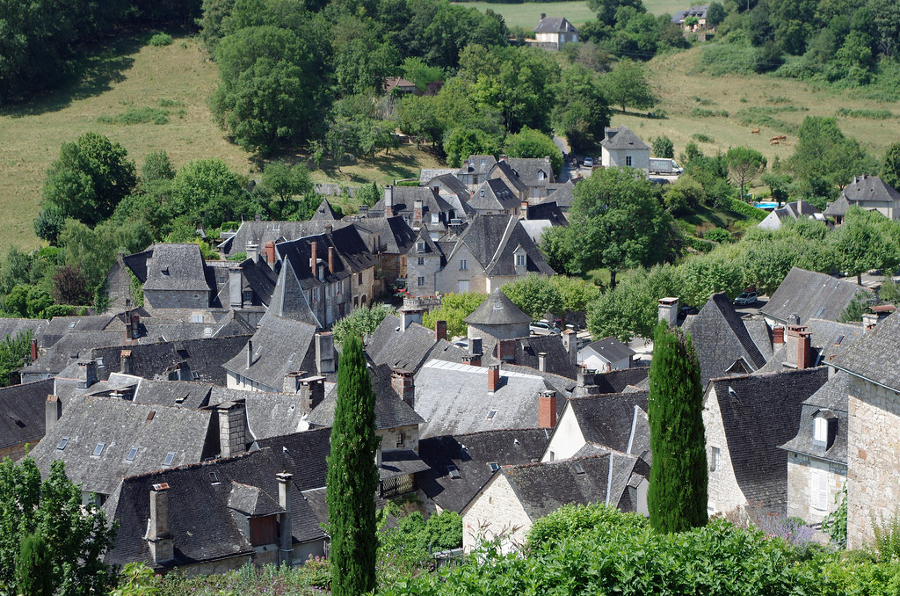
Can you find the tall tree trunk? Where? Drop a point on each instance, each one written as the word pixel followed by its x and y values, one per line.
pixel 612 279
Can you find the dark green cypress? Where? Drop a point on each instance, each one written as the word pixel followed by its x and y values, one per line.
pixel 677 496
pixel 34 567
pixel 352 477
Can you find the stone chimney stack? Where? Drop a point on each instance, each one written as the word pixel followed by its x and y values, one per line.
pixel 312 392
pixel 805 353
pixel 160 538
pixel 270 252
pixel 542 361
pixel 570 343
pixel 125 360
pixel 418 209
pixel 249 353
pixel 440 330
pixel 232 428
pixel 235 293
pixel 547 409
pixel 869 320
pixel 291 383
pixel 408 316
pixel 523 210
pixel 252 251
pixel 285 521
pixel 389 201
pixel 87 373
pixel 668 311
pixel 52 412
pixel 403 383
pixel 325 359
pixel 493 378
pixel 798 347
pixel 34 347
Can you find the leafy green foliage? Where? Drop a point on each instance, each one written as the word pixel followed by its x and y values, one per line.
pixel 136 580
pixel 890 166
pixel 534 295
pixel 533 143
pixel 863 242
pixel 677 495
pixel 823 151
pixel 77 536
pixel 13 351
pixel 855 310
pixel 415 538
pixel 463 142
pixel 663 147
pixel 835 523
pixel 454 309
pixel 360 322
pixel 570 521
pixel 627 85
pixel 208 192
pixel 744 166
pixel 352 477
pixel 160 39
pixel 34 567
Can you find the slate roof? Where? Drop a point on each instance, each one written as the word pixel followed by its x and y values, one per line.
pixel 426 175
pixel 268 414
pixel 396 235
pixel 622 138
pixel 58 327
pixel 472 455
pixel 201 521
pixel 497 309
pixel 289 300
pixel 431 247
pixel 610 349
pixel 834 397
pixel 557 357
pixel 11 328
pixel 616 381
pixel 176 267
pixel 454 399
pixel 547 211
pixel 205 357
pixel 405 198
pixel 22 413
pixel 408 349
pixel 305 454
pixel 874 356
pixel 555 25
pixel 280 346
pixel 457 194
pixel 260 232
pixel 510 176
pixel 760 413
pixel 477 164
pixel 694 11
pixel 183 394
pixel 838 207
pixel 493 195
pixel 542 488
pixel 531 169
pixel 256 276
pixel 614 421
pixel 831 339
pixel 810 295
pixel 325 212
pixel 869 188
pixel 482 234
pixel 121 425
pixel 720 338
pixel 561 194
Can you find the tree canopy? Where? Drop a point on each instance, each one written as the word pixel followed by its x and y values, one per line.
pixel 533 143
pixel 627 85
pixel 744 166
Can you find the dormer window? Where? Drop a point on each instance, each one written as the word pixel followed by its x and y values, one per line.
pixel 825 425
pixel 420 246
pixel 435 218
pixel 820 432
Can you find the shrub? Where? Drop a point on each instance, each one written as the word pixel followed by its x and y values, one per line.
pixel 718 235
pixel 702 138
pixel 160 39
pixel 143 115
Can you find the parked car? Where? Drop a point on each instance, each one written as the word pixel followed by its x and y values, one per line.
pixel 746 299
pixel 542 328
pixel 589 162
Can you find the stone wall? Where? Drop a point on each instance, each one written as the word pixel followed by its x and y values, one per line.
pixel 391 438
pixel 431 264
pixel 873 453
pixel 725 495
pixel 800 502
pixel 449 277
pixel 496 512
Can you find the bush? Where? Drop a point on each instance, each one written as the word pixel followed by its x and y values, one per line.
pixel 143 115
pixel 160 39
pixel 718 235
pixel 745 209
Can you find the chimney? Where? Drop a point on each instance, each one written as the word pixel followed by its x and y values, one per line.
pixel 403 383
pixel 523 208
pixel 87 373
pixel 417 212
pixel 389 201
pixel 312 392
pixel 125 360
pixel 475 346
pixel 270 252
pixel 668 311
pixel 235 291
pixel 506 350
pixel 232 428
pixel 493 377
pixel 252 251
pixel 542 361
pixel 805 353
pixel 249 353
pixel 778 335
pixel 135 326
pixel 285 521
pixel 440 330
pixel 34 350
pixel 331 260
pixel 325 360
pixel 291 382
pixel 160 539
pixel 329 228
pixel 570 343
pixel 505 158
pixel 314 258
pixel 409 316
pixel 364 211
pixel 547 409
pixel 798 348
pixel 869 320
pixel 52 412
pixel 472 359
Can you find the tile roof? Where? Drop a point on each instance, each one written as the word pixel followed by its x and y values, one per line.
pixel 613 420
pixel 810 295
pixel 268 414
pixel 477 164
pixel 305 454
pixel 289 301
pixel 497 309
pixel 874 356
pixel 557 359
pixel 22 413
pixel 404 198
pixel 407 349
pixel 260 232
pixel 622 138
pixel 759 414
pixel 561 194
pixel 616 381
pixel 472 455
pixel 426 175
pixel 834 397
pixel 869 188
pixel 176 267
pixel 839 206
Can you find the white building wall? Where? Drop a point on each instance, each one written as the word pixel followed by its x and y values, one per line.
pixel 567 439
pixel 496 512
pixel 725 494
pixel 618 158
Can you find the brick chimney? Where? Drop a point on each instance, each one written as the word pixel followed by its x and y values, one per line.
pixel 314 258
pixel 161 544
pixel 506 350
pixel 325 360
pixel 285 521
pixel 440 330
pixel 52 412
pixel 331 260
pixel 270 252
pixel 778 335
pixel 804 350
pixel 504 158
pixel 252 251
pixel 798 347
pixel 312 392
pixel 125 360
pixel 403 383
pixel 493 377
pixel 668 311
pixel 542 361
pixel 232 427
pixel 34 347
pixel 547 409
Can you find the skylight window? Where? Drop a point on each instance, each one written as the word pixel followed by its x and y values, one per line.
pixel 578 468
pixel 214 478
pixel 170 457
pixel 131 454
pixel 98 449
pixel 838 341
pixel 72 325
pixel 494 466
pixel 62 443
pixel 491 414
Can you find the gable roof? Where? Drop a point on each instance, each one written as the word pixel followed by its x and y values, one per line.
pixel 610 349
pixel 22 413
pixel 838 207
pixel 720 337
pixel 833 397
pixel 176 267
pixel 809 295
pixel 325 212
pixel 493 194
pixel 471 454
pixel 864 189
pixel 555 25
pixel 556 356
pixel 404 198
pixel 759 414
pixel 533 171
pixel 477 164
pixel 622 138
pixel 305 454
pixel 614 421
pixel 493 240
pixel 289 301
pixel 260 232
pixel 561 194
pixel 874 356
pixel 616 381
pixel 410 348
pixel 497 309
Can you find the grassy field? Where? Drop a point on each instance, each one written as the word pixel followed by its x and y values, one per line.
pixel 528 14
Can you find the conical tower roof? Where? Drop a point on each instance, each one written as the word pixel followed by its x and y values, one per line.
pixel 497 309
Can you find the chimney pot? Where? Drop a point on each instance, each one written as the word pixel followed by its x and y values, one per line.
pixel 159 537
pixel 408 316
pixel 125 359
pixel 331 260
pixel 493 378
pixel 542 361
pixel 869 321
pixel 668 311
pixel 313 258
pixel 252 251
pixel 87 373
pixel 778 335
pixel 472 359
pixel 403 383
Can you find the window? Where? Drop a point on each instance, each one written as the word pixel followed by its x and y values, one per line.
pixel 420 247
pixel 248 297
pixel 170 457
pixel 62 443
pixel 131 454
pixel 552 456
pixel 435 218
pixel 578 468
pixel 494 466
pixel 520 260
pixel 213 477
pixel 454 472
pixel 491 414
pixel 98 449
pixel 714 459
pixel 420 281
pixel 627 160
pixel 820 431
pixel 463 264
pixel 196 318
pixel 818 490
pixel 420 261
pixel 400 438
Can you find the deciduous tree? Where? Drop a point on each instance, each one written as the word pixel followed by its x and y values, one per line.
pixel 627 85
pixel 533 143
pixel 744 165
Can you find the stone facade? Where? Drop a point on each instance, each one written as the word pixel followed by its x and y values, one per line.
pixel 873 489
pixel 725 495
pixel 452 278
pixel 496 511
pixel 427 271
pixel 802 477
pixel 401 437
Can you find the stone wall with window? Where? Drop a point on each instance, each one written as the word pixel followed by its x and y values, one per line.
pixel 813 486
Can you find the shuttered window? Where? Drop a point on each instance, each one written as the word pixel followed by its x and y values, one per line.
pixel 818 489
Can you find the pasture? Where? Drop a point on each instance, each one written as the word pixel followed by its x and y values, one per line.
pixel 527 14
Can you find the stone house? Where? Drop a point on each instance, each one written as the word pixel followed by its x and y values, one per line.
pixel 697 12
pixel 475 170
pixel 497 318
pixel 390 238
pixel 176 277
pixel 606 355
pixel 516 496
pixel 502 170
pixel 873 409
pixel 805 295
pixel 22 417
pixel 424 261
pixel 817 456
pixel 536 173
pixel 553 32
pixel 403 343
pixel 791 212
pixel 252 235
pixel 622 148
pixel 493 197
pixel 418 206
pixel 747 418
pixel 870 193
pixel 452 190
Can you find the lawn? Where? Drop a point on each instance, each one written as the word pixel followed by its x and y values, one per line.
pixel 528 14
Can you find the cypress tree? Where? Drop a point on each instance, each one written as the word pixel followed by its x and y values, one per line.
pixel 677 496
pixel 352 476
pixel 34 567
